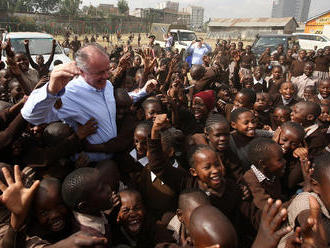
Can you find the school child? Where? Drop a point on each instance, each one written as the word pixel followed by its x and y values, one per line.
pixel 244 98
pixel 286 97
pixel 248 61
pixel 289 58
pixel 41 67
pixel 262 109
pixel 324 89
pixel 300 82
pixel 321 65
pixel 300 207
pixel 297 66
pixel 16 92
pixel 310 94
pixel 283 64
pixel 247 81
pixel 136 66
pixel 178 223
pixel 267 165
pixel 88 197
pixel 265 57
pixel 244 122
pixel 324 118
pixel 259 83
pixel 281 114
pixel 135 227
pixel 275 80
pixel 220 230
pixel 290 137
pixel 223 98
pixel 316 137
pixel 206 173
pixel 151 107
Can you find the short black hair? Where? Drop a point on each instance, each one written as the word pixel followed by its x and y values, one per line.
pixel 196 149
pixel 172 138
pixel 250 94
pixel 282 107
pixel 191 194
pixel 74 187
pixel 312 108
pixel 213 119
pixel 260 149
pixel 296 126
pixel 58 62
pixel 56 132
pixel 320 164
pixel 150 101
pixel 234 115
pixel 146 125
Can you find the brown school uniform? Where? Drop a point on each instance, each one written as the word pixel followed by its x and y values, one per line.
pixel 248 60
pixel 238 144
pixel 322 63
pixel 297 68
pixel 293 176
pixel 279 101
pixel 263 118
pixel 274 86
pixel 211 75
pixel 260 86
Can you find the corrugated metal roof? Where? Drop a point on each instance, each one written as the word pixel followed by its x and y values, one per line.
pixel 250 22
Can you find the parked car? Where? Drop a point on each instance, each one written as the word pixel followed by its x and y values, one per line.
pixel 310 41
pixel 40 44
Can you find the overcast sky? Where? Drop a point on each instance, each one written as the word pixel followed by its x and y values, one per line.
pixel 222 8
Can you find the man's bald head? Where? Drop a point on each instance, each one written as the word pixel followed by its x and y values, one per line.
pixel 87 55
pixel 209 226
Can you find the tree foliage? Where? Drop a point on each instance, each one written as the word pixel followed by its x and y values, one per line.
pixel 69 7
pixel 122 6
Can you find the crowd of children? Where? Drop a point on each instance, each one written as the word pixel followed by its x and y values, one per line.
pixel 231 153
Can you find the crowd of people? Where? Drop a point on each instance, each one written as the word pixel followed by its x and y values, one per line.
pixel 138 148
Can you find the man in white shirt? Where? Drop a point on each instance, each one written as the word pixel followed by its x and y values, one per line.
pixel 198 49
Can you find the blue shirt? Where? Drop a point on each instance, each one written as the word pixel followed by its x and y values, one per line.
pixel 80 102
pixel 198 53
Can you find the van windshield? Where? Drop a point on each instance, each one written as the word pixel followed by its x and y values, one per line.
pixel 185 36
pixel 270 41
pixel 38 46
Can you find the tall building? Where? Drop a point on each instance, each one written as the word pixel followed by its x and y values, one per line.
pixel 287 8
pixel 196 16
pixel 169 5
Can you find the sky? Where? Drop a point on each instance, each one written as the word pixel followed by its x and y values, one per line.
pixel 222 8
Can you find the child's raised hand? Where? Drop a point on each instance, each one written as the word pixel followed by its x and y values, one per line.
pixel 81 240
pixel 115 199
pixel 301 153
pixel 270 231
pixel 276 135
pixel 16 197
pixel 26 42
pixel 150 86
pixel 87 129
pixel 161 122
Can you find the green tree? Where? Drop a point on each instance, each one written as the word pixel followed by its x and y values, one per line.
pixel 45 6
pixel 69 7
pixel 122 6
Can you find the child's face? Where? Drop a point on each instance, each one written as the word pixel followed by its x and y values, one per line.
pixel 131 213
pixel 325 114
pixel 324 88
pixel 289 139
pixel 50 209
pixel 275 165
pixel 280 116
pixel 22 62
pixel 241 100
pixel 208 169
pixel 224 95
pixel 248 82
pixel 262 102
pixel 137 61
pixel 152 109
pixel 308 70
pixel 218 136
pixel 199 108
pixel 257 73
pixel 287 90
pixel 16 91
pixel 40 60
pixel 298 114
pixel 302 55
pixel 289 53
pixel 246 124
pixel 309 93
pixel 140 141
pixel 281 60
pixel 277 73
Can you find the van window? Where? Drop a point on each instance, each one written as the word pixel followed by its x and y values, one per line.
pixel 185 36
pixel 37 46
pixel 319 38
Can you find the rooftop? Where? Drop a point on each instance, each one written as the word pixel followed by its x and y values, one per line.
pixel 250 22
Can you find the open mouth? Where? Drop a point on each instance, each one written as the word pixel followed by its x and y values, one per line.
pixel 251 132
pixel 57 224
pixel 215 179
pixel 135 225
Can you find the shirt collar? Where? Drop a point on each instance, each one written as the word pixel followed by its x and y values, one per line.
pixel 255 81
pixel 286 102
pixel 94 222
pixel 311 129
pixel 88 86
pixel 320 97
pixel 260 176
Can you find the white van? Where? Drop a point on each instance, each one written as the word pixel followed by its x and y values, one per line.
pixel 40 44
pixel 309 41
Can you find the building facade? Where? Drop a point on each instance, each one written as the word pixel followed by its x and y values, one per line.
pixel 169 5
pixel 288 8
pixel 316 24
pixel 196 16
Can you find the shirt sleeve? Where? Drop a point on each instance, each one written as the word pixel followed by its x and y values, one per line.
pixel 208 47
pixel 136 96
pixel 39 107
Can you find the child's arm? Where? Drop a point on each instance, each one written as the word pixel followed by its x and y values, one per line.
pixel 17 200
pixel 14 129
pixel 28 54
pixel 159 164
